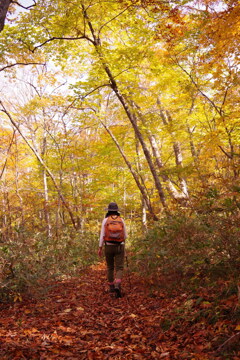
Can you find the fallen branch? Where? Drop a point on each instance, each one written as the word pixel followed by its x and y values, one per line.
pixel 234 338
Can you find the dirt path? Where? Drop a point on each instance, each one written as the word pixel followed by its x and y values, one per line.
pixel 78 319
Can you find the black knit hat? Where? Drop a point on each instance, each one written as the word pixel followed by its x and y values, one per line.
pixel 112 207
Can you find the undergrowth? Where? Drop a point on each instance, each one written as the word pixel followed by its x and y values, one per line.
pixel 28 261
pixel 190 250
pixel 195 262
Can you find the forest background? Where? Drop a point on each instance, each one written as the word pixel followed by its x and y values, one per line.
pixel 129 101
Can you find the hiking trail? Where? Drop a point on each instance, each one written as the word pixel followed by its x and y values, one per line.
pixel 77 319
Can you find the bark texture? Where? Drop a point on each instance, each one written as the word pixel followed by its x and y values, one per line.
pixel 4 5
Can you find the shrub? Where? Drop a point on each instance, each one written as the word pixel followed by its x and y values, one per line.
pixel 193 246
pixel 27 261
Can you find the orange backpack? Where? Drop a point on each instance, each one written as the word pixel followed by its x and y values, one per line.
pixel 114 230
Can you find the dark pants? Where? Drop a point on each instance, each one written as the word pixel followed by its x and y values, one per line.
pixel 115 261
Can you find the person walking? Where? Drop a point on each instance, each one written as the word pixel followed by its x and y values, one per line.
pixel 113 235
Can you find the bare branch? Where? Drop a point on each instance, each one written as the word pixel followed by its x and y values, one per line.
pixel 25 7
pixel 98 87
pixel 116 16
pixel 229 342
pixel 19 63
pixel 60 38
pixel 227 154
pixel 197 87
pixel 224 98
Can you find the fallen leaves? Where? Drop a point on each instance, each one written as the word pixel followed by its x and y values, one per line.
pixel 80 320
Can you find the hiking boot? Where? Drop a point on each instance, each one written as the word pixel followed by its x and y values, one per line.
pixel 117 289
pixel 111 288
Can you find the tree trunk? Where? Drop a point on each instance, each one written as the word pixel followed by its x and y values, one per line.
pixel 42 163
pixel 130 114
pixel 4 5
pixel 17 182
pixel 144 216
pixel 134 174
pixel 175 194
pixel 178 160
pixel 45 184
pixel 183 194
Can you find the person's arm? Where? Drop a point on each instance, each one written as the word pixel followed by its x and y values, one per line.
pixel 101 238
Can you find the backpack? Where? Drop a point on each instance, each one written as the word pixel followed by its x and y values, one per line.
pixel 114 229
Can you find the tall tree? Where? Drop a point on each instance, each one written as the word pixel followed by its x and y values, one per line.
pixel 4 5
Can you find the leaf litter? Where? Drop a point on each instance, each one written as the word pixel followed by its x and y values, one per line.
pixel 79 319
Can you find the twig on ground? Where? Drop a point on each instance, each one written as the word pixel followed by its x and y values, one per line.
pixel 234 338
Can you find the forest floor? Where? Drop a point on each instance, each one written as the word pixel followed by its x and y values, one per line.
pixel 78 319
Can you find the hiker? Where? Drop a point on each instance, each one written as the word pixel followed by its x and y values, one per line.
pixel 113 234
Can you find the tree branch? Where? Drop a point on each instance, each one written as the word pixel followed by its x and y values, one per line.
pixel 197 87
pixel 101 27
pixel 25 7
pixel 234 338
pixel 228 155
pixel 19 63
pixel 60 38
pixel 98 87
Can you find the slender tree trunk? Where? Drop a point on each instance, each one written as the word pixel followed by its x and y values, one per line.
pixel 192 145
pixel 74 187
pixel 183 194
pixel 8 151
pixel 232 153
pixel 45 183
pixel 157 156
pixel 42 163
pixel 146 152
pixel 144 216
pixel 134 174
pixel 17 182
pixel 46 203
pixel 97 44
pixel 178 160
pixel 169 185
pixel 5 234
pixel 195 155
pixel 144 207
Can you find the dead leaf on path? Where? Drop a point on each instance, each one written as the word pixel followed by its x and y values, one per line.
pixel 83 333
pixel 67 340
pixel 164 355
pixel 67 310
pixel 136 336
pixel 133 316
pixel 67 329
pixel 30 331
